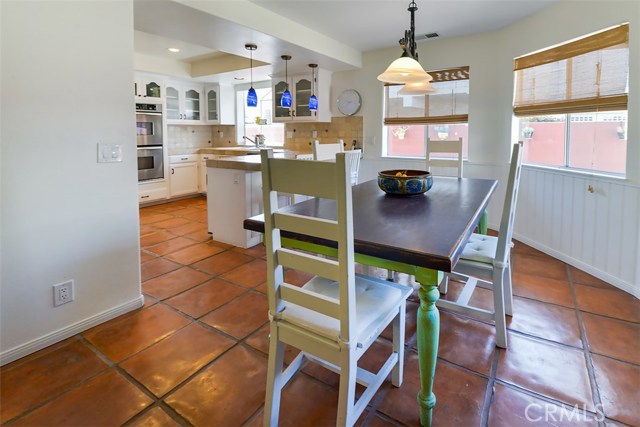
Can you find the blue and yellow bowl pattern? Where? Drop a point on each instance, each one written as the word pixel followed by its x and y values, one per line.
pixel 404 182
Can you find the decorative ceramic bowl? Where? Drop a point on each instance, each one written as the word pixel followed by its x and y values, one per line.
pixel 403 182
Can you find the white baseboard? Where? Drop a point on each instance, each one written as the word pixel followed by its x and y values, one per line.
pixel 69 331
pixel 614 281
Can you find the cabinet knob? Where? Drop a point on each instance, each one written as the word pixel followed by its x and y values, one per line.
pixel 144 197
pixel 184 158
pixel 172 171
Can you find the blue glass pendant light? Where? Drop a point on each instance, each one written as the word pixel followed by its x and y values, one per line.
pixel 252 96
pixel 313 100
pixel 285 101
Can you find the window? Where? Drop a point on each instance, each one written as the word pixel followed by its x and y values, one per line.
pixel 411 119
pixel 571 103
pixel 256 120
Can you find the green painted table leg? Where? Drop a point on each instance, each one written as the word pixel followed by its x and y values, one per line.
pixel 483 224
pixel 428 337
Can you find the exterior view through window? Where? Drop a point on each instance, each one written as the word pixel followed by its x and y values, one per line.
pixel 256 120
pixel 410 120
pixel 571 103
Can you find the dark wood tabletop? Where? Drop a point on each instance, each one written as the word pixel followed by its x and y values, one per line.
pixel 427 230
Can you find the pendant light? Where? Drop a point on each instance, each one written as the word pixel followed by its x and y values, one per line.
pixel 417 88
pixel 407 69
pixel 252 96
pixel 285 101
pixel 313 100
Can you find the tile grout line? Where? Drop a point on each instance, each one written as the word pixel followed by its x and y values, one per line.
pixel 587 352
pixel 488 396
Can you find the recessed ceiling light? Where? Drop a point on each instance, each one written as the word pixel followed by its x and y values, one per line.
pixel 173 49
pixel 238 78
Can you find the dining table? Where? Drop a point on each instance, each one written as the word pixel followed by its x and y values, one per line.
pixel 422 235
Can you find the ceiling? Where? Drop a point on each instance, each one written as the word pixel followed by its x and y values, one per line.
pixel 333 33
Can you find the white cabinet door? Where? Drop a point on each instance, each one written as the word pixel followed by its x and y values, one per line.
pixel 301 88
pixel 202 181
pixel 184 103
pixel 183 178
pixel 148 87
pixel 152 191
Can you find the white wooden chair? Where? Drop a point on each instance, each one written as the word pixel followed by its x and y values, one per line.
pixel 486 262
pixel 326 151
pixel 435 150
pixel 336 315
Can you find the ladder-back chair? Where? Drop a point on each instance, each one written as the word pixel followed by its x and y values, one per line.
pixel 335 317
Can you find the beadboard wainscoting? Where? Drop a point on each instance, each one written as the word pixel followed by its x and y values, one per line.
pixel 589 222
pixel 597 232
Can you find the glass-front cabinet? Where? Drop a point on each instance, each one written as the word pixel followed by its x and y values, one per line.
pixel 212 104
pixel 301 89
pixel 184 102
pixel 280 113
pixel 303 93
pixel 148 86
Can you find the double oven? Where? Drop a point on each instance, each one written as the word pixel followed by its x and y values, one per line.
pixel 149 140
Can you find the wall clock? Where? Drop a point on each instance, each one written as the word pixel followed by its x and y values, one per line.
pixel 349 102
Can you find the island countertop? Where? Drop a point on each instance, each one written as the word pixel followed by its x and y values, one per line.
pixel 249 163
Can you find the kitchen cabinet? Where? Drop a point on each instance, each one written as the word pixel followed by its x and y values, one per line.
pixel 202 180
pixel 184 102
pixel 219 104
pixel 301 90
pixel 152 191
pixel 183 175
pixel 148 87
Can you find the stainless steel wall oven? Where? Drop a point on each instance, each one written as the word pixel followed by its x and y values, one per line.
pixel 150 141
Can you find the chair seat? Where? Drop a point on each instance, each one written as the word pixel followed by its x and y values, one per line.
pixel 375 300
pixel 481 248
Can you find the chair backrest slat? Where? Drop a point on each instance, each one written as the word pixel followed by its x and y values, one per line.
pixel 326 151
pixel 308 263
pixel 302 297
pixel 510 202
pixel 445 147
pixel 316 227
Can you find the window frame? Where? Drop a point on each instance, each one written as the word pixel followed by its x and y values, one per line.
pixel 566 105
pixel 455 74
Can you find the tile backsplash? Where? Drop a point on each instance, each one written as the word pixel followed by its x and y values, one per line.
pixel 183 139
pixel 348 129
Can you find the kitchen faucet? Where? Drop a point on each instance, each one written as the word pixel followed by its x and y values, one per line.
pixel 255 142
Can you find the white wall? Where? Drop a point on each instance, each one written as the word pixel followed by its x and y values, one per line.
pixel 490 57
pixel 67 73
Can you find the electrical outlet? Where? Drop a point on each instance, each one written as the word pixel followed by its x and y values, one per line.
pixel 62 293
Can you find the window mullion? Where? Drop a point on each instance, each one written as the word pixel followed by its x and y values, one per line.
pixel 567 139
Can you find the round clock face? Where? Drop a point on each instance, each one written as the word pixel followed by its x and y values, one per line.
pixel 349 102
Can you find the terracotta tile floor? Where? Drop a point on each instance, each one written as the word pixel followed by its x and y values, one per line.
pixel 196 353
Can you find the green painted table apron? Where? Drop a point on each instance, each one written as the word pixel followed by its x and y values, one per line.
pixel 421 235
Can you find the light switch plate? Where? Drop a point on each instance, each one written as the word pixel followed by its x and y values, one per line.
pixel 109 153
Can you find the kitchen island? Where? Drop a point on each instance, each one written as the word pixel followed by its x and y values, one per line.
pixel 234 193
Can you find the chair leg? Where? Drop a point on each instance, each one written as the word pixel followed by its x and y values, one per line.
pixel 398 346
pixel 498 303
pixel 347 391
pixel 508 291
pixel 443 287
pixel 274 378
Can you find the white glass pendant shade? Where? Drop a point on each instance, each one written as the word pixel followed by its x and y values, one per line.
pixel 404 70
pixel 417 88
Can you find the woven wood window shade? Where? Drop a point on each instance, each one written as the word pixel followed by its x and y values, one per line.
pixel 589 74
pixel 450 104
